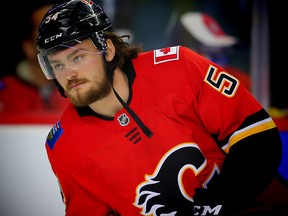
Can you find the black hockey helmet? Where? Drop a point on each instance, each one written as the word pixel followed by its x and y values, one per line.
pixel 65 24
pixel 69 21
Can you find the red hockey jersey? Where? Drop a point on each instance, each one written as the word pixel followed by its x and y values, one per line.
pixel 197 113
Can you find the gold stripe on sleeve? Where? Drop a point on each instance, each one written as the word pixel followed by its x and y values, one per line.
pixel 248 131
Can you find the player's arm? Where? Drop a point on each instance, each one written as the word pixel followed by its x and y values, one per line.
pixel 249 167
pixel 246 134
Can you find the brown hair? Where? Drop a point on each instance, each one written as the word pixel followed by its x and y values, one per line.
pixel 124 51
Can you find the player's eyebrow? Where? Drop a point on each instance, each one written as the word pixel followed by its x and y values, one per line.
pixel 73 53
pixel 70 55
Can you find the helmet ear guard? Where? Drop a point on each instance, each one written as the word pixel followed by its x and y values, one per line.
pixel 100 40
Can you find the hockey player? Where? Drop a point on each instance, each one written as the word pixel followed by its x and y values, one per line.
pixel 165 132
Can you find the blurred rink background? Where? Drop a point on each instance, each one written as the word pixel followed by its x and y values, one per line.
pixel 28 186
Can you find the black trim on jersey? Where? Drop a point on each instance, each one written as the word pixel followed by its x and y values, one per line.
pixel 129 71
pixel 256 117
pixel 87 111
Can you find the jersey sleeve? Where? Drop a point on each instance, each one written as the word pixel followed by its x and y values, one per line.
pixel 243 130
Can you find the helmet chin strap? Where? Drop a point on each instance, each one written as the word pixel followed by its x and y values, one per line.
pixel 142 126
pixel 60 88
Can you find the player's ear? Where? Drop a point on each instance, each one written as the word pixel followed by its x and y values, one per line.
pixel 110 51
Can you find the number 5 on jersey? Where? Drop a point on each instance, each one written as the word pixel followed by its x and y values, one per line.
pixel 223 82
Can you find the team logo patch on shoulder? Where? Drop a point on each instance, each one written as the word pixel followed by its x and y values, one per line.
pixel 123 119
pixel 166 54
pixel 54 135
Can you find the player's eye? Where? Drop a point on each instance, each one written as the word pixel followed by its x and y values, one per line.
pixel 78 58
pixel 58 67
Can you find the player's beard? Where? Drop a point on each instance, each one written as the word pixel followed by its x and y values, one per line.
pixel 95 93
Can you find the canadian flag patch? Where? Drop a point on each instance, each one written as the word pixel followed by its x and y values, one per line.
pixel 166 54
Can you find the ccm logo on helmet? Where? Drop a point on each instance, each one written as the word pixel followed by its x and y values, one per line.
pixel 52 38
